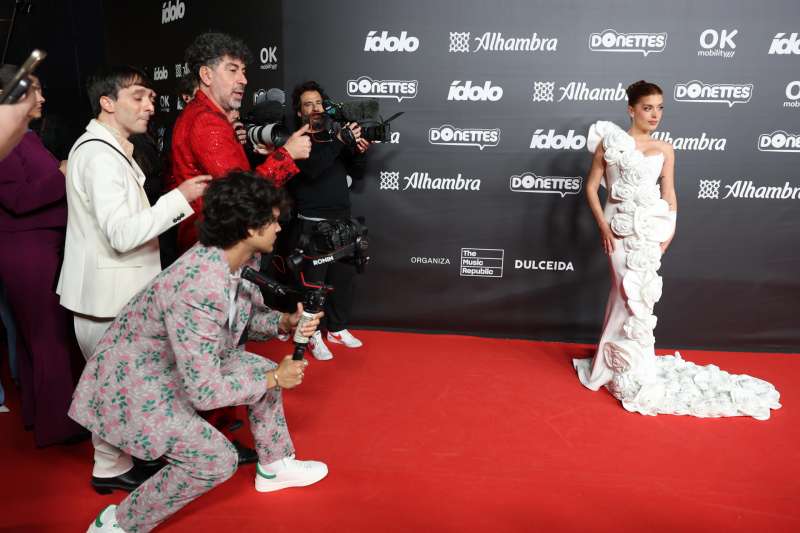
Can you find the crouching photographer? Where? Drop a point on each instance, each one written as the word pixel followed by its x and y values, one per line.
pixel 322 197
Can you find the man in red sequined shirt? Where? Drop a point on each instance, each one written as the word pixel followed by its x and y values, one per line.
pixel 204 138
pixel 204 141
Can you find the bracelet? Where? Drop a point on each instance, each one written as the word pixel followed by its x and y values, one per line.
pixel 275 376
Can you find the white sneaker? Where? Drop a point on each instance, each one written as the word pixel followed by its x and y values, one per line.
pixel 344 337
pixel 106 522
pixel 318 348
pixel 288 472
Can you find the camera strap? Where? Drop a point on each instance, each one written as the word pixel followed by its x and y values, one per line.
pixel 110 146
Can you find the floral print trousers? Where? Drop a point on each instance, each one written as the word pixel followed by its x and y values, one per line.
pixel 199 461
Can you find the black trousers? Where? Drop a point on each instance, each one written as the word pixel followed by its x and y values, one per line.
pixel 338 274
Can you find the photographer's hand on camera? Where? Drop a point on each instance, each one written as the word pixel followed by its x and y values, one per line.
pixel 299 144
pixel 289 321
pixel 288 374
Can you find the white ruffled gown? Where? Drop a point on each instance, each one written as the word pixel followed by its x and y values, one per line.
pixel 625 361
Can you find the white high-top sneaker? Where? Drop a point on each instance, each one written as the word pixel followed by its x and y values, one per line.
pixel 344 337
pixel 288 472
pixel 106 522
pixel 318 348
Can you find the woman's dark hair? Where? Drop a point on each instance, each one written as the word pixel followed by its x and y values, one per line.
pixel 109 81
pixel 208 49
pixel 638 90
pixel 236 203
pixel 306 86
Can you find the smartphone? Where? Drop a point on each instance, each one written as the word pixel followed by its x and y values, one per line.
pixel 21 82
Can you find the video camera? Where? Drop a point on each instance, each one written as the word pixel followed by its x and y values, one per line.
pixel 333 121
pixel 312 296
pixel 332 240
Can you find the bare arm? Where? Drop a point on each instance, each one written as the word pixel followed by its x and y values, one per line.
pixel 668 178
pixel 592 186
pixel 668 187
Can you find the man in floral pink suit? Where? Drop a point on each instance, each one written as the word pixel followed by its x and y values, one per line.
pixel 172 351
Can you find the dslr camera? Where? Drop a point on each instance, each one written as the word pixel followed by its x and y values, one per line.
pixel 333 121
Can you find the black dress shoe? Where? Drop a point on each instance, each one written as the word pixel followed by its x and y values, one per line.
pixel 246 455
pixel 127 481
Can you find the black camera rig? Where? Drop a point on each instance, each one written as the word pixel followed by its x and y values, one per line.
pixel 312 296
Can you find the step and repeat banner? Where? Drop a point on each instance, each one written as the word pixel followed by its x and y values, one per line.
pixel 477 218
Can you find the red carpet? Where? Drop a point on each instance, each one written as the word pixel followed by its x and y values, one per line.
pixel 448 433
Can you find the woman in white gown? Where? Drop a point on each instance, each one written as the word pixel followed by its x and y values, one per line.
pixel 636 228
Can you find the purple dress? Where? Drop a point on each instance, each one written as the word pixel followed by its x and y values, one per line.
pixel 33 217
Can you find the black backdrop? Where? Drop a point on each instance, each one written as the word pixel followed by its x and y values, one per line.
pixel 471 236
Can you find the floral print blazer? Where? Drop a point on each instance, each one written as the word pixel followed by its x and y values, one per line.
pixel 172 351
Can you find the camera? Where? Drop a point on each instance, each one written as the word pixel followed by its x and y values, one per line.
pixel 312 296
pixel 265 125
pixel 332 240
pixel 272 135
pixel 333 121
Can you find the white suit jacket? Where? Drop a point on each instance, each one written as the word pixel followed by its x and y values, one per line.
pixel 111 249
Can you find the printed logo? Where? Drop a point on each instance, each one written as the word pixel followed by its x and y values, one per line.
pixel 612 41
pixel 482 262
pixel 717 43
pixel 390 181
pixel 779 141
pixel 419 260
pixel 269 58
pixel 422 181
pixel 704 142
pixel 552 141
pixel 698 91
pixel 551 265
pixel 577 91
pixel 366 87
pixel 171 12
pixel 782 45
pixel 709 189
pixel 474 93
pixel 459 42
pixel 160 73
pixel 792 94
pixel 543 91
pixel 495 42
pixel 389 43
pixel 163 103
pixel 530 182
pixel 181 70
pixel 449 135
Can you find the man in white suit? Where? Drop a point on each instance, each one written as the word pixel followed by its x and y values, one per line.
pixel 111 249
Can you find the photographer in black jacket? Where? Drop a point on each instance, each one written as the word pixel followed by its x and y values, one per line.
pixel 321 192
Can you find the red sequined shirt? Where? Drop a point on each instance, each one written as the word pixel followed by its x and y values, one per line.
pixel 203 142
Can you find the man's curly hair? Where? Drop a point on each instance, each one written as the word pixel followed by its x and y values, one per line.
pixel 306 86
pixel 236 203
pixel 208 49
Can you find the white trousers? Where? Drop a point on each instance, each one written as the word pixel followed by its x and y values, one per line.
pixel 109 461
